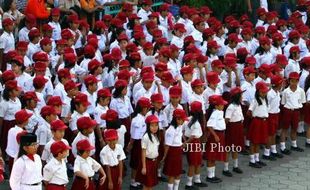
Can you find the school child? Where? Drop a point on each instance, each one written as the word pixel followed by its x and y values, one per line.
pixel 44 133
pixel 103 101
pixel 17 65
pixel 212 50
pixel 199 26
pixel 95 69
pixel 187 77
pixel 54 23
pixel 63 77
pixel 21 119
pixel 85 167
pixel 263 54
pixel 229 76
pixel 147 87
pixel 89 54
pixel 34 45
pixel 10 104
pixel 306 110
pixel 30 22
pixel 261 13
pixel 172 158
pixel 58 129
pixel 273 97
pixel 231 43
pixel 293 40
pixel 30 101
pixel 175 94
pixel 264 73
pixel 293 98
pixel 213 80
pixel 7 41
pixel 193 132
pixel 55 171
pixel 56 103
pixel 27 169
pixel 167 81
pixel 112 157
pixel 85 126
pixel 91 83
pixel 178 35
pixel 277 42
pixel 198 89
pixel 137 131
pixel 258 130
pixel 293 62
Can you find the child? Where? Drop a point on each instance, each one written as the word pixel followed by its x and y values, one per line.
pixel 216 126
pixel 258 130
pixel 173 149
pixel 193 133
pixel 85 167
pixel 167 81
pixel 175 94
pixel 293 62
pixel 17 65
pixel 21 119
pixel 307 109
pixel 7 41
pixel 27 169
pixel 213 80
pixel 234 130
pixel 187 77
pixel 55 171
pixel 137 131
pixel 111 157
pixel 91 83
pixel 293 98
pixel 103 101
pixel 263 54
pixel 55 13
pixel 63 77
pixel 147 173
pixel 30 102
pixel 34 45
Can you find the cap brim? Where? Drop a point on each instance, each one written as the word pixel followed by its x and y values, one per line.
pixel 111 139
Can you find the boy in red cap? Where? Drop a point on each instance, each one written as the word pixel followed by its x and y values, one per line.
pixel 34 39
pixel 145 11
pixel 91 84
pixel 175 93
pixel 38 84
pixel 293 40
pixel 264 73
pixel 17 65
pixel 55 171
pixel 198 88
pixel 114 166
pixel 89 54
pixel 199 26
pixel 187 77
pixel 22 47
pixel 57 103
pixel 103 101
pixel 178 35
pixel 64 76
pixel 148 87
pixel 167 81
pixel 6 41
pixel 30 101
pixel 213 80
pixel 293 62
pixel 54 23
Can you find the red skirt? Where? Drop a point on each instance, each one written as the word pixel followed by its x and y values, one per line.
pixel 258 132
pixel 150 179
pixel 55 187
pixel 79 183
pixel 273 123
pixel 234 134
pixel 290 118
pixel 247 119
pixel 161 148
pixel 6 126
pixel 127 122
pixel 114 175
pixel 135 155
pixel 194 153
pixel 173 162
pixel 307 115
pixel 215 153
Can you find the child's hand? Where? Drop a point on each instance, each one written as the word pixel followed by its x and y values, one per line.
pixel 216 138
pixel 86 183
pixel 110 186
pixel 143 171
pixel 120 180
pixel 102 179
pixel 129 147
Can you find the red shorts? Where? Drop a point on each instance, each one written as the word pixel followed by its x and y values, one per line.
pixel 290 118
pixel 194 153
pixel 135 155
pixel 214 153
pixel 273 123
pixel 173 162
pixel 150 179
pixel 258 131
pixel 55 187
pixel 78 183
pixel 234 134
pixel 307 114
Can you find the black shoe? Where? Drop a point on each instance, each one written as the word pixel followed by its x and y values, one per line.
pixel 302 134
pixel 227 173
pixel 255 165
pixel 201 184
pixel 216 178
pixel 261 163
pixel 286 151
pixel 271 158
pixel 192 187
pixel 237 170
pixel 213 180
pixel 276 155
pixel 297 149
pixel 162 178
pixel 307 145
pixel 135 187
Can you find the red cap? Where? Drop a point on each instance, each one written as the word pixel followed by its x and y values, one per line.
pixel 12 85
pixel 122 36
pixel 174 48
pixel 249 70
pixel 264 40
pixel 250 60
pixel 189 57
pixel 187 70
pixel 175 91
pixel 151 24
pixel 71 85
pixel 264 68
pixel 260 30
pixel 162 41
pixel 81 98
pixel 34 32
pixel 144 102
pixel 39 81
pixel 261 11
pixel 40 56
pixel 18 59
pixel 107 17
pixel 134 16
pixel 262 86
pixel 242 52
pixel 154 15
pixel 157 33
pixel 296 14
pixel 196 106
pixel 22 116
pixel 84 24
pixel 205 10
pixel 198 20
pixel 294 49
pixel 70 58
pixel 55 12
pixel 184 9
pixel 151 119
pixel 66 34
pixel 280 23
pixel 138 35
pixel 135 56
pixel 85 123
pixel 197 82
pixel 116 54
pixel 217 63
pixel 74 18
pixel 247 31
pixel 132 47
pixel 120 83
pixel 234 24
pixel 180 27
pixel 213 44
pixel 146 2
pixel 8 75
pixel 306 61
pixel 100 25
pixel 281 59
pixel 89 50
pixel 58 147
pixel 54 101
pixel 94 64
pixel 147 45
pixel 138 28
pixel 40 66
pixel 213 77
pixel 45 41
pixel 247 24
pixel 180 114
pixel 58 125
pixel 61 42
pixel 146 69
pixel 90 79
pixel 84 145
pixel 64 73
pixel 148 77
pixel 167 76
pixel 164 7
pixel 127 7
pixel 233 37
pixel 22 45
pixel 294 75
pixel 277 36
pixel 7 22
pixel 30 95
pixel 124 74
pixel 217 100
pixel 47 111
pixel 110 135
pixel 293 34
pixel 202 59
pixel 161 67
pixel 124 63
pixel 230 62
pixel 275 68
pixel 235 91
pixel 31 20
pixel 157 98
pixel 189 39
pixel 277 80
pixel 47 28
pixel 104 92
pixel 110 115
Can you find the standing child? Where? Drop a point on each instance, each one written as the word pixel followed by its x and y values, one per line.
pixel 103 101
pixel 307 109
pixel 111 157
pixel 293 98
pixel 85 167
pixel 55 172
pixel 175 93
pixel 30 103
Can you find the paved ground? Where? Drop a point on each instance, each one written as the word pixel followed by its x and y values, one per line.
pixel 289 173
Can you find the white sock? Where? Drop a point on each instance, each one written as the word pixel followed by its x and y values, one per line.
pixel 197 178
pixel 189 181
pixel 226 166
pixel 256 156
pixel 176 184
pixel 133 182
pixel 213 171
pixel 209 171
pixel 282 146
pixel 308 141
pixel 252 159
pixel 294 143
pixel 247 142
pixel 138 183
pixel 273 148
pixel 159 172
pixel 267 152
pixel 236 163
pixel 301 127
pixel 170 186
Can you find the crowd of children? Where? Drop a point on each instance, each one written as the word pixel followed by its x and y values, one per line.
pixel 146 86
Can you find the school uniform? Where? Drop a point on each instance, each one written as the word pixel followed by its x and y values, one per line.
pixel 302 79
pixel 259 23
pixel 48 89
pixel 7 42
pixel 80 136
pixel 143 93
pixel 56 30
pixel 186 92
pixel 32 49
pixel 138 86
pixel 99 110
pixel 197 35
pixel 22 81
pixel 163 22
pixel 292 103
pixel 143 15
pixel 259 79
pixel 165 93
pixel 23 34
pixel 287 48
pixel 266 57
pixel 34 121
pixel 66 107
pixel 46 154
pixel 177 41
pixel 224 78
pixel 88 167
pixel 173 161
pixel 258 130
pixel 60 91
pixel 174 66
pixel 44 133
pixel 274 99
pixel 200 98
pixel 234 130
pixel 293 66
pixel 26 173
pixel 74 117
pixel 92 98
pixel 102 39
pixel 41 103
pixel 221 42
pixel 207 93
pixel 112 158
pixel 55 173
pixel 12 145
pixel 169 109
pixel 303 48
pixel 188 25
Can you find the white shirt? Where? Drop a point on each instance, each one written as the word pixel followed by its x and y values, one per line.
pixel 32 49
pixel 186 92
pixel 80 136
pixel 99 110
pixel 9 108
pixel 92 98
pixel 200 98
pixel 293 66
pixel 302 78
pixel 143 15
pixel 259 110
pixel 138 127
pixel 197 35
pixel 259 23
pixel 25 171
pixel 41 103
pixel 194 130
pixel 7 42
pixel 60 91
pixel 55 172
pixel 122 106
pixel 151 147
pixel 87 166
pixel 207 93
pixel 109 157
pixel 224 78
pixel 44 133
pixel 34 120
pixel 217 121
pixel 46 154
pixel 12 145
pixel 173 136
pixel 74 117
pixel 23 80
pixel 266 57
pixel 174 66
pixel 264 4
pixel 56 30
pixel 234 113
pixel 179 42
pixel 169 109
pixel 274 99
pixel 23 34
pixel 293 100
